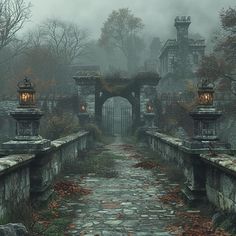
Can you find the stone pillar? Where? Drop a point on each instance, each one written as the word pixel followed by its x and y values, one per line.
pixel 83 119
pixel 86 79
pixel 204 140
pixel 27 116
pixel 205 118
pixel 149 120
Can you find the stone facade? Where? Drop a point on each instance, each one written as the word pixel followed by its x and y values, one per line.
pixel 14 181
pixel 147 94
pixel 183 52
pixel 94 90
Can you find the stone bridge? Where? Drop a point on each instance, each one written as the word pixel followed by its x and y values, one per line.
pixel 30 176
pixel 125 204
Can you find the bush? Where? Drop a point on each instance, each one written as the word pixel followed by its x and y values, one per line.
pixel 95 131
pixel 57 125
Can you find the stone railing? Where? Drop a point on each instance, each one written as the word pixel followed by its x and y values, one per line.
pixel 207 176
pixel 29 177
pixel 221 181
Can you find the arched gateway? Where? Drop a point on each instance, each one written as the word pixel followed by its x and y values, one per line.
pixel 94 89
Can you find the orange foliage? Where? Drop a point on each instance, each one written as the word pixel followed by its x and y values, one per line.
pixel 146 165
pixel 68 188
pixel 173 196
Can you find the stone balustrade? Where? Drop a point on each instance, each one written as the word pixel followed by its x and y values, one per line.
pixel 221 180
pixel 207 176
pixel 29 176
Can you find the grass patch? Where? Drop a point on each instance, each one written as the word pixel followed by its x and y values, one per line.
pixel 173 173
pixel 46 221
pixel 50 220
pixel 101 164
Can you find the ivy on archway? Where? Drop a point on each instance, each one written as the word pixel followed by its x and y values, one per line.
pixel 114 88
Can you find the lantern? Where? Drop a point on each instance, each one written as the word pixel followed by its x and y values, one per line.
pixel 205 93
pixel 83 108
pixel 26 93
pixel 27 117
pixel 205 115
pixel 149 107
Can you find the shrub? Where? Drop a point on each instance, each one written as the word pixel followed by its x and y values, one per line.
pixel 58 125
pixel 95 131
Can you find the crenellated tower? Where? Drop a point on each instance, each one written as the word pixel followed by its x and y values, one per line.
pixel 182 24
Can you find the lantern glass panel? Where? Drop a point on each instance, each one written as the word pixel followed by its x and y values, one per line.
pixel 149 108
pixel 27 98
pixel 83 108
pixel 205 98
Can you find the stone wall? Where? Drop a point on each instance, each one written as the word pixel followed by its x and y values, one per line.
pixel 14 181
pixel 50 163
pixel 172 150
pixel 221 181
pixel 24 176
pixel 206 176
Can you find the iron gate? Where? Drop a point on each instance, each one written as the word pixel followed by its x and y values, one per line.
pixel 117 120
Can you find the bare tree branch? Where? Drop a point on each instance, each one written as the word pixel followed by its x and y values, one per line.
pixel 13 15
pixel 65 40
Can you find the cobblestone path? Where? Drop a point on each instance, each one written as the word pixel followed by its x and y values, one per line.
pixel 126 205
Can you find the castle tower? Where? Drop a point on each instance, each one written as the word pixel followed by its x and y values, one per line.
pixel 182 24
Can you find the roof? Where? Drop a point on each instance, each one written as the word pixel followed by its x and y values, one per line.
pixel 172 44
pixel 87 71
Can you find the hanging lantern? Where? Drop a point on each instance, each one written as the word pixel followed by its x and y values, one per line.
pixel 205 93
pixel 149 107
pixel 83 108
pixel 26 93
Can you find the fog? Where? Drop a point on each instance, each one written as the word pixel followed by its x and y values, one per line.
pixel 158 15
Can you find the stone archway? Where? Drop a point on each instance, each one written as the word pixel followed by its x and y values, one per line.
pixel 94 90
pixel 113 87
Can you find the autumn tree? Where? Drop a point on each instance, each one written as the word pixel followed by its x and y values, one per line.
pixel 121 31
pixel 222 62
pixel 228 44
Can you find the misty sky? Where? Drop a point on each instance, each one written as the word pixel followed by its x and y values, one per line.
pixel 158 15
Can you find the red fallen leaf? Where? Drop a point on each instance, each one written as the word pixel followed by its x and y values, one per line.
pixel 45 223
pixel 67 188
pixel 173 196
pixel 35 216
pixel 193 224
pixel 53 205
pixel 72 226
pixel 111 205
pixel 146 165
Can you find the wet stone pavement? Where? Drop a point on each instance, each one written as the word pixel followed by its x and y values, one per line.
pixel 126 205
